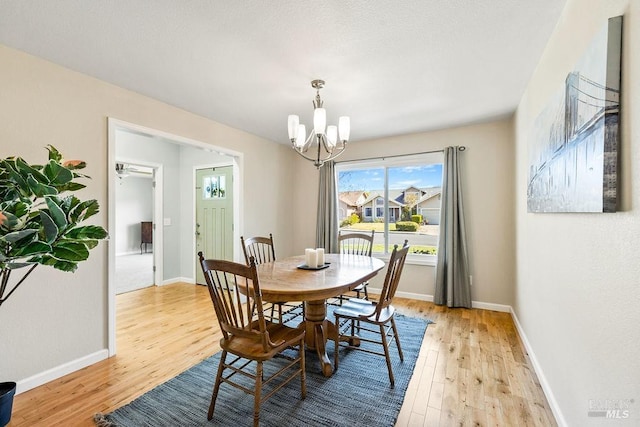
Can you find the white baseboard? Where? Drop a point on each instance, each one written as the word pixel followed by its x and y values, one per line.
pixel 491 306
pixel 420 297
pixel 546 388
pixel 60 371
pixel 129 253
pixel 411 295
pixel 424 297
pixel 178 280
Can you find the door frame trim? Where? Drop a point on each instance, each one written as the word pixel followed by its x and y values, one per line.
pixel 113 125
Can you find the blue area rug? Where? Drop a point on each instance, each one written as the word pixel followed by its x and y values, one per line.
pixel 358 394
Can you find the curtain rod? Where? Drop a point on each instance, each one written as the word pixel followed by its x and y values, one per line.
pixel 460 148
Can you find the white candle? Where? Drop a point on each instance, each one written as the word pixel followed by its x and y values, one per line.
pixel 311 257
pixel 320 252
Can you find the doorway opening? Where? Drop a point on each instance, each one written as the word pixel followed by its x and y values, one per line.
pixel 135 216
pixel 173 160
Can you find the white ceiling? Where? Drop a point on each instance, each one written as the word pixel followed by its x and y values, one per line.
pixel 394 67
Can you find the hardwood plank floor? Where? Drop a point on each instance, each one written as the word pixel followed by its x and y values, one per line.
pixel 472 369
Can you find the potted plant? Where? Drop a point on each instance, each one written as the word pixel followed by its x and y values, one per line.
pixel 7 390
pixel 40 224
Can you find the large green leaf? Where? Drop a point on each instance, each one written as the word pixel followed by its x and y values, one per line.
pixel 70 251
pixel 15 176
pixel 25 169
pixel 87 232
pixel 16 265
pixel 33 248
pixel 10 220
pixel 84 210
pixel 58 215
pixel 67 266
pixel 20 209
pixel 71 186
pixel 55 263
pixel 42 259
pixel 39 189
pixel 50 228
pixel 69 202
pixel 89 243
pixel 15 236
pixel 54 154
pixel 57 174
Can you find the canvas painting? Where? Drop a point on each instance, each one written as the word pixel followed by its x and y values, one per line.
pixel 573 145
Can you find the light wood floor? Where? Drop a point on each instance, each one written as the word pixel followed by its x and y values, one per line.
pixel 472 369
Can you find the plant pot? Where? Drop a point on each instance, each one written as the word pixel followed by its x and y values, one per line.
pixel 7 391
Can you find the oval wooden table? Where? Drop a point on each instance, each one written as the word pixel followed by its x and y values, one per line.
pixel 283 281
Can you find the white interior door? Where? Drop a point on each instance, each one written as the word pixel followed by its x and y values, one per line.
pixel 214 215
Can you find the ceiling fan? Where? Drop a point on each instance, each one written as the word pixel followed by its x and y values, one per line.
pixel 124 170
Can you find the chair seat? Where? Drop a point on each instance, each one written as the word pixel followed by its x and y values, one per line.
pixel 360 309
pixel 251 348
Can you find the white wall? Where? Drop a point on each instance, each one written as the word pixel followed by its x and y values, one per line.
pixel 57 322
pixel 488 190
pixel 578 275
pixel 134 201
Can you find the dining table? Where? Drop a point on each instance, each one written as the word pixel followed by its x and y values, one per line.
pixel 289 279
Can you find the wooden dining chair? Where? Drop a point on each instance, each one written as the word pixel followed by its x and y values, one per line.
pixel 248 336
pixel 263 250
pixel 356 243
pixel 374 318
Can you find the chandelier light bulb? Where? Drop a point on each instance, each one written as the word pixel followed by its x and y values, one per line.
pixel 319 120
pixel 294 120
pixel 344 125
pixel 302 135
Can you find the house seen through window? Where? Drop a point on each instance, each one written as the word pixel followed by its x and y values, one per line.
pixel 398 197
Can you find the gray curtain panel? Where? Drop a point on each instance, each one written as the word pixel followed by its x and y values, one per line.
pixel 452 271
pixel 327 226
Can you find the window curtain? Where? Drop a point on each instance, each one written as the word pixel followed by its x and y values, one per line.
pixel 452 271
pixel 327 226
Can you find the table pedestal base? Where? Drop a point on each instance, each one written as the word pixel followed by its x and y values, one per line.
pixel 319 329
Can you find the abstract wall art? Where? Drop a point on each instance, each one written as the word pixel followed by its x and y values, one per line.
pixel 573 144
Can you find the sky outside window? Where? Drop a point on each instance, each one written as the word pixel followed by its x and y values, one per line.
pixel 400 178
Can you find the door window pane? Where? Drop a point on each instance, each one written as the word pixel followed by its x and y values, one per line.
pixel 214 187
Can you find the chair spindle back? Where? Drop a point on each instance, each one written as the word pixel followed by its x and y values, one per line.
pixel 392 279
pixel 227 281
pixel 261 249
pixel 356 243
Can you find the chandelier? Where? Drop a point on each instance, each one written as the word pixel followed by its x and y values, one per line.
pixel 323 143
